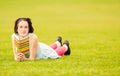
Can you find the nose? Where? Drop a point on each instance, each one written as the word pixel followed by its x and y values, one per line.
pixel 23 29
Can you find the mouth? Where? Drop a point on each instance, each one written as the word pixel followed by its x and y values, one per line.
pixel 23 32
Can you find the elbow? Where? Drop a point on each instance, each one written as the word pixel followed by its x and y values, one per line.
pixel 32 59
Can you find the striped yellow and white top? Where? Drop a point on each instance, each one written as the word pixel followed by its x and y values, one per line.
pixel 22 46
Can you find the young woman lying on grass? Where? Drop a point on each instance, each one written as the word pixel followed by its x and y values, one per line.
pixel 26 46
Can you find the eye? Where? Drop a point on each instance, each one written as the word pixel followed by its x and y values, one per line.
pixel 21 27
pixel 26 27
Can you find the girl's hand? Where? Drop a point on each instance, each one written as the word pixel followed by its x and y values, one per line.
pixel 20 57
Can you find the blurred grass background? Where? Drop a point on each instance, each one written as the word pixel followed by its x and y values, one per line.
pixel 91 26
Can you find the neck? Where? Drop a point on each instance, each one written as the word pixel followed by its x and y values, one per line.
pixel 22 37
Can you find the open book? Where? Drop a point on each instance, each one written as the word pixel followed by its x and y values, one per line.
pixel 22 45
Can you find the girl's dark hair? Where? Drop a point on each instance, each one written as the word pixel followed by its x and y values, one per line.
pixel 31 29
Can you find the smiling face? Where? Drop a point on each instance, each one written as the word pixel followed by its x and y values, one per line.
pixel 23 28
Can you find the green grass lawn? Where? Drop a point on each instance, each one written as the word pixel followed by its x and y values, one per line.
pixel 91 26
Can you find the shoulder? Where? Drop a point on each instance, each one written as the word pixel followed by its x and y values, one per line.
pixel 33 36
pixel 14 36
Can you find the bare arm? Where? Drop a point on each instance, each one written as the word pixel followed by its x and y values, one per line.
pixel 33 46
pixel 14 48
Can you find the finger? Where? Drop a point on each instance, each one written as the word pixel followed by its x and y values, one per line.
pixel 20 54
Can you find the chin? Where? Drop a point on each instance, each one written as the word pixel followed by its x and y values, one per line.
pixel 24 35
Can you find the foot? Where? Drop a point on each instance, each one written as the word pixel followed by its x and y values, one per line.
pixel 68 50
pixel 59 39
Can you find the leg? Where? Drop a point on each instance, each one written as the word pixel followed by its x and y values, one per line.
pixel 61 50
pixel 55 45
